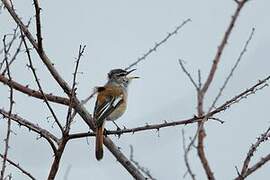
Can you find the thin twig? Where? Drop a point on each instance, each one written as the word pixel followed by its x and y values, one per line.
pixel 38 25
pixel 18 50
pixel 32 127
pixel 143 169
pixel 39 85
pixel 156 46
pixel 33 93
pixel 232 70
pixel 77 105
pixel 16 165
pixel 245 168
pixel 222 45
pixel 199 79
pixel 186 152
pixel 73 89
pixel 227 104
pixel 259 164
pixel 188 74
pixel 11 102
pixel 13 57
pixel 83 102
pixel 201 93
pixel 10 43
pixel 243 95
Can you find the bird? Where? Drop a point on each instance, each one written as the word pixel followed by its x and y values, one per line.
pixel 111 103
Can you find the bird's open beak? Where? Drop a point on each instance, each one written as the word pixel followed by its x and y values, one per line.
pixel 132 77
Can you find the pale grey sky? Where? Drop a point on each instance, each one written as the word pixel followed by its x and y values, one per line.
pixel 116 33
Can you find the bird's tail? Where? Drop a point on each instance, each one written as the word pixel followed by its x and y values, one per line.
pixel 99 142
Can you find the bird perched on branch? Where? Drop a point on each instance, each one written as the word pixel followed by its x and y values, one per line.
pixel 111 103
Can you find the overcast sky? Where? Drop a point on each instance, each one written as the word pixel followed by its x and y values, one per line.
pixel 116 33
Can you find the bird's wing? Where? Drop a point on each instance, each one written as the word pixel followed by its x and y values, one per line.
pixel 105 108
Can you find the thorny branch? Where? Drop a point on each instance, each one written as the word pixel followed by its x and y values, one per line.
pixel 246 171
pixel 156 46
pixel 77 105
pixel 33 93
pixel 32 127
pixel 188 74
pixel 65 137
pixel 18 50
pixel 16 165
pixel 73 89
pixel 83 102
pixel 232 70
pixel 13 57
pixel 11 102
pixel 143 169
pixel 259 164
pixel 39 85
pixel 38 25
pixel 222 45
pixel 227 104
pixel 57 157
pixel 186 151
pixel 201 93
pixel 10 43
pixel 202 117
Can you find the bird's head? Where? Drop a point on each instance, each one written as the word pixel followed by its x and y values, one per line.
pixel 121 76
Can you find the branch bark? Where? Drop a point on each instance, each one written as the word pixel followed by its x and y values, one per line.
pixel 33 93
pixel 201 92
pixel 28 124
pixel 78 107
pixel 19 167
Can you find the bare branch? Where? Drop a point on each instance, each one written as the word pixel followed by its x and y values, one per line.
pixel 16 165
pixel 45 59
pixel 11 102
pixel 39 85
pixel 10 43
pixel 31 92
pixel 156 46
pixel 38 25
pixel 73 89
pixel 83 102
pixel 28 124
pixel 188 74
pixel 222 45
pixel 232 70
pixel 199 79
pixel 243 95
pixel 186 151
pixel 13 57
pixel 259 164
pixel 252 90
pixel 143 169
pixel 57 157
pixel 140 128
pixel 78 107
pixel 201 93
pixel 245 168
pixel 16 52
